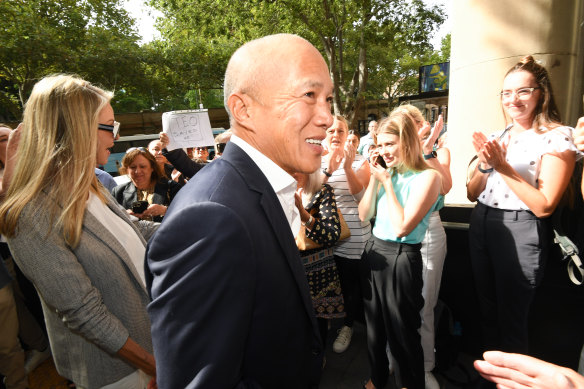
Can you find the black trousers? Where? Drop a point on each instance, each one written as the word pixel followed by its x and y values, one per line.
pixel 351 288
pixel 508 250
pixel 392 294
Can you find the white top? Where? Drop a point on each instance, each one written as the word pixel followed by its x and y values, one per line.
pixel 353 246
pixel 524 155
pixel 364 143
pixel 283 183
pixel 121 231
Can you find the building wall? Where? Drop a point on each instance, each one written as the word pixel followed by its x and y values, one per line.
pixel 488 38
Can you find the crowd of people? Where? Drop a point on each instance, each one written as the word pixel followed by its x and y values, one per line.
pixel 226 274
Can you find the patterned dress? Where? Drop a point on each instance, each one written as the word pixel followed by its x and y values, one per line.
pixel 321 270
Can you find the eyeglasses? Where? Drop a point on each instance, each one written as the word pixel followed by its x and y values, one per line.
pixel 199 148
pixel 113 129
pixel 136 148
pixel 521 93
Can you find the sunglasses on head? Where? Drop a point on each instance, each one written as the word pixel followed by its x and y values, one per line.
pixel 113 129
pixel 136 148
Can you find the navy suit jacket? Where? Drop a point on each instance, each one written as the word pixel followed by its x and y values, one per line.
pixel 230 304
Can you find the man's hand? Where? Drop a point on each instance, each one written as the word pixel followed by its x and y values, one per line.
pixel 164 139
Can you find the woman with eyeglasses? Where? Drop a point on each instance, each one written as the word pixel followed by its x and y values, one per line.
pixel 520 178
pixel 74 243
pixel 149 192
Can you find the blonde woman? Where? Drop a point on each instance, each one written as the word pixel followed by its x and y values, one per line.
pixel 434 243
pixel 401 196
pixel 74 243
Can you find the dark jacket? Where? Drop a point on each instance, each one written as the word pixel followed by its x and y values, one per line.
pixel 230 304
pixel 181 162
pixel 164 192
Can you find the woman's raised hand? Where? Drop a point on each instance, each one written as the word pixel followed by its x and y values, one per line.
pixel 350 152
pixel 494 153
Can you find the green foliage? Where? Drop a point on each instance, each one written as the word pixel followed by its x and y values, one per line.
pixel 362 39
pixel 373 47
pixel 445 49
pixel 91 38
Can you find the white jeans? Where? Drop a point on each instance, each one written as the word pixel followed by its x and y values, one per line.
pixel 433 255
pixel 136 380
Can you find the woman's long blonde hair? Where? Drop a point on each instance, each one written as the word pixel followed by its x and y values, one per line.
pixel 57 154
pixel 401 123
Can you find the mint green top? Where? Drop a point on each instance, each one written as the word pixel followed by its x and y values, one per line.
pixel 403 184
pixel 439 204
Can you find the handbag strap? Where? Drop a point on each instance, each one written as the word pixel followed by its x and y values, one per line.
pixel 569 250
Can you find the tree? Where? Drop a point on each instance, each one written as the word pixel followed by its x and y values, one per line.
pixel 345 31
pixel 92 38
pixel 397 72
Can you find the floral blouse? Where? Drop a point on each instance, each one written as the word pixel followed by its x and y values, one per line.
pixel 323 207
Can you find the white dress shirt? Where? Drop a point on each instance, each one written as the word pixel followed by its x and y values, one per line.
pixel 283 183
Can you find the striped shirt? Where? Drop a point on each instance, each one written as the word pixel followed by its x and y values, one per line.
pixel 352 247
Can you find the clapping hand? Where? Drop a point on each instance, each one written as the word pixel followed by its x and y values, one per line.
pixel 494 153
pixel 336 156
pixel 350 152
pixel 429 142
pixel 479 140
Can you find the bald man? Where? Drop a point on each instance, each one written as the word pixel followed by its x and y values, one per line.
pixel 230 305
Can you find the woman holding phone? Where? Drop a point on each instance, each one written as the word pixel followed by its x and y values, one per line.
pixel 401 197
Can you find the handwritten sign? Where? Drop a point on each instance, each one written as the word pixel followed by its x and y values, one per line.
pixel 187 128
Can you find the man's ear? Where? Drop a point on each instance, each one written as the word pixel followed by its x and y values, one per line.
pixel 240 106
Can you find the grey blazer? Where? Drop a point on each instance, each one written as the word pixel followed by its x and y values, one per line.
pixel 91 296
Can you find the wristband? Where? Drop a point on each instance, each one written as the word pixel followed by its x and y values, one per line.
pixel 309 221
pixel 327 173
pixel 484 170
pixel 433 154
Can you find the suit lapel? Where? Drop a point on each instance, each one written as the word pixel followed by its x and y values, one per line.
pixel 258 182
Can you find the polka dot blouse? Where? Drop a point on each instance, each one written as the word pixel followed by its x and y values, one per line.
pixel 524 154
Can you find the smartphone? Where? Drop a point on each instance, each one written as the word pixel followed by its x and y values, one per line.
pixel 381 162
pixel 139 206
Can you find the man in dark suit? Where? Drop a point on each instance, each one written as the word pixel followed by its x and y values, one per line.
pixel 230 302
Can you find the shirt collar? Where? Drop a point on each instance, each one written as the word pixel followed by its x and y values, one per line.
pixel 283 184
pixel 279 179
